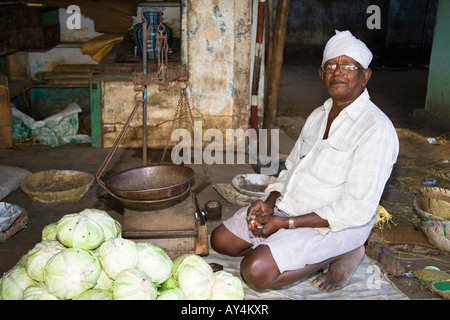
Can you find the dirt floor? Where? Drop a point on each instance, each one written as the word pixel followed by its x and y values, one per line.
pixel 397 92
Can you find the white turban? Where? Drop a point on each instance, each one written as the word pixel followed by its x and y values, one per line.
pixel 344 43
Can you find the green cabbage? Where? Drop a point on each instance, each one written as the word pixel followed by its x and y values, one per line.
pixel 39 256
pixel 227 287
pixel 14 282
pixel 154 261
pixel 95 294
pixel 49 232
pixel 133 284
pixel 70 272
pixel 23 260
pixel 111 228
pixel 116 255
pixel 38 292
pixel 194 275
pixel 75 230
pixel 171 294
pixel 189 259
pixel 169 284
pixel 104 282
pixel 195 283
pixel 83 257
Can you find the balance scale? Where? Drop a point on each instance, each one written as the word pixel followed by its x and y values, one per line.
pixel 160 206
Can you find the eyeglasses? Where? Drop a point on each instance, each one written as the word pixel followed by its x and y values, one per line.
pixel 344 68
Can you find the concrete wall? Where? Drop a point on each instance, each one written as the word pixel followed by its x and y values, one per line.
pixel 118 102
pixel 404 36
pixel 312 21
pixel 217 52
pixel 438 93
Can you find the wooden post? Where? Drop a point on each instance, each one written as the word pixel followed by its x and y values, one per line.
pixel 5 113
pixel 275 64
pixel 269 29
pixel 257 64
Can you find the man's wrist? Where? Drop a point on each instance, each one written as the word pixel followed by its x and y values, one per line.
pixel 272 198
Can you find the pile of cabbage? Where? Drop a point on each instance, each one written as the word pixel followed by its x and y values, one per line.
pixel 84 257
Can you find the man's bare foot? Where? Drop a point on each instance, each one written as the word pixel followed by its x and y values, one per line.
pixel 340 271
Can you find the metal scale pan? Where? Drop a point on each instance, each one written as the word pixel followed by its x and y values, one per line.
pixel 144 187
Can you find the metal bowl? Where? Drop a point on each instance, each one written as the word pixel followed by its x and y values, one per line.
pixel 150 184
pixel 252 184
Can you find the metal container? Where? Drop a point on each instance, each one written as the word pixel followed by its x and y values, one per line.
pixel 142 186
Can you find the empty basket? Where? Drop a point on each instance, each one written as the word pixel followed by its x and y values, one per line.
pixel 57 186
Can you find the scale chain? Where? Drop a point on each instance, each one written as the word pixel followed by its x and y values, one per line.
pixel 183 104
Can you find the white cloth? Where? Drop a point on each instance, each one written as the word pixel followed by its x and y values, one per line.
pixel 345 44
pixel 341 178
pixel 293 249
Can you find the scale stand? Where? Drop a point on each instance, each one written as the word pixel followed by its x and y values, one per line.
pixel 162 213
pixel 177 229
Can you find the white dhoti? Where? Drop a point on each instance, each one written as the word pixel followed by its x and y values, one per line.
pixel 294 248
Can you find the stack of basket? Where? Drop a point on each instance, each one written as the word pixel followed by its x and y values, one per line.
pixel 433 205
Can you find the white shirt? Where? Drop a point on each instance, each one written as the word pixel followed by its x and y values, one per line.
pixel 341 178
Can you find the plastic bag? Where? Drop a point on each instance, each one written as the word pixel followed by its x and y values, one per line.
pixel 58 129
pixel 8 214
pixel 10 178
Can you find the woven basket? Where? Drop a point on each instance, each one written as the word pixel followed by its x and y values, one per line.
pixel 57 186
pixel 437 229
pixel 436 201
pixel 442 288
